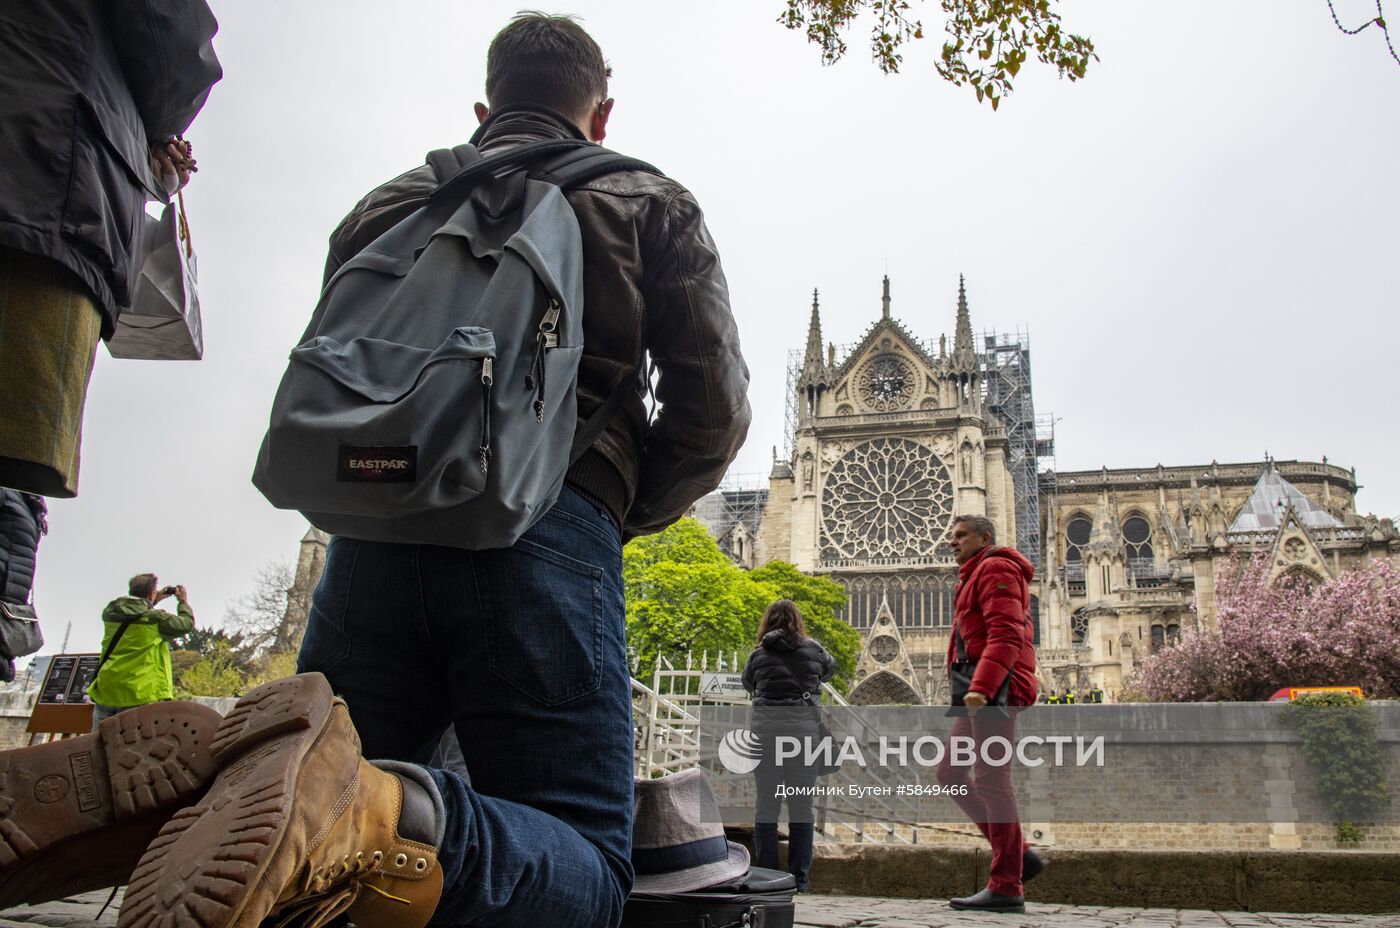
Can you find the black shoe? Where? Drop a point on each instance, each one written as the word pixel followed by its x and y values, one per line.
pixel 1031 865
pixel 988 901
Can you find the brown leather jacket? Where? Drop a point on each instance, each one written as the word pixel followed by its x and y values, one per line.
pixel 652 287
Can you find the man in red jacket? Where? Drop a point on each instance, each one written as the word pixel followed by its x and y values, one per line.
pixel 992 619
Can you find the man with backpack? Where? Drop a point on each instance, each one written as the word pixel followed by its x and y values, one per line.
pixel 519 645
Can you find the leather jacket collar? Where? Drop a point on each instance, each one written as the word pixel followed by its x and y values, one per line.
pixel 523 122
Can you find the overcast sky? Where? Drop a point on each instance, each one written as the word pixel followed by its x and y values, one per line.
pixel 1201 238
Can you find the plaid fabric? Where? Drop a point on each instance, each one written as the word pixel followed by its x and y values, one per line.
pixel 49 327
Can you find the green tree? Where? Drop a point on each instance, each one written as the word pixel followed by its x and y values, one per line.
pixel 684 595
pixel 998 36
pixel 214 673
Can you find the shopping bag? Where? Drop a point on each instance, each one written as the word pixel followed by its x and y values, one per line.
pixel 162 323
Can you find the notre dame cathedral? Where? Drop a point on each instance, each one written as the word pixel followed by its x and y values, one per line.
pixel 891 438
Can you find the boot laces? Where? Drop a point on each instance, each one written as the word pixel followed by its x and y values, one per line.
pixel 330 896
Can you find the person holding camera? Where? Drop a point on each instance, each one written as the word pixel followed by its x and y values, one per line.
pixel 135 666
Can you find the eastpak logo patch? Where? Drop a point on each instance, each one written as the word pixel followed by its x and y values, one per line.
pixel 377 464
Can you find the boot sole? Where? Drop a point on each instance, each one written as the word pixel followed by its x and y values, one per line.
pixel 209 858
pixel 76 814
pixel 991 910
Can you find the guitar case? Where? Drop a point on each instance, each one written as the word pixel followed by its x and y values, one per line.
pixel 759 899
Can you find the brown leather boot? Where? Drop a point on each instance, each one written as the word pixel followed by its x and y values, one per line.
pixel 76 814
pixel 296 826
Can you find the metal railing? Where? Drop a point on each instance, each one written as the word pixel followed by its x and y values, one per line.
pixel 667 724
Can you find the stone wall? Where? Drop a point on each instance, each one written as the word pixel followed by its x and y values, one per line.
pixel 1188 776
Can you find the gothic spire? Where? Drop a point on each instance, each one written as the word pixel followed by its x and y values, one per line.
pixel 963 338
pixel 885 300
pixel 812 360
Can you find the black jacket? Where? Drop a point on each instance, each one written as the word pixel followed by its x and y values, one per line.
pixel 652 286
pixel 782 668
pixel 85 86
pixel 21 525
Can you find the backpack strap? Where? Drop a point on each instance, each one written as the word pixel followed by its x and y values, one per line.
pixel 485 167
pixel 587 433
pixel 446 162
pixel 573 168
pixel 572 162
pixel 567 170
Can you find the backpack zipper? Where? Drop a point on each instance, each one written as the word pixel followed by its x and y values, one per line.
pixel 545 338
pixel 487 378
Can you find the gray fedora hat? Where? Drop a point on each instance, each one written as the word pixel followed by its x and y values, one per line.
pixel 678 842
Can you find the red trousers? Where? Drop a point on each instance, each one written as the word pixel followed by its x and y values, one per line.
pixel 990 801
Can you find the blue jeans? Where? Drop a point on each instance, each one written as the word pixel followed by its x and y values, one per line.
pixel 101 713
pixel 522 649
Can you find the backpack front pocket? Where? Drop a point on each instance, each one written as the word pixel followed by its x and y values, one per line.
pixel 376 428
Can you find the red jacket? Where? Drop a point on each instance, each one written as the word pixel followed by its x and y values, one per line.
pixel 993 609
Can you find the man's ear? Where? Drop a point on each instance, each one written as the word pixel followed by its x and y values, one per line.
pixel 481 112
pixel 598 122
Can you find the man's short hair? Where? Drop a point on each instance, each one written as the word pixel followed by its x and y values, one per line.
pixel 979 524
pixel 547 60
pixel 142 585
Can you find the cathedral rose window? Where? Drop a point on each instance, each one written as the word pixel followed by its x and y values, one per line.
pixel 886 383
pixel 886 498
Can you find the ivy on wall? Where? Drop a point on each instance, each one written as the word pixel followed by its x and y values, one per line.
pixel 1339 741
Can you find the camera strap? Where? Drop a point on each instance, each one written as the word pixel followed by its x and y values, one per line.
pixel 112 645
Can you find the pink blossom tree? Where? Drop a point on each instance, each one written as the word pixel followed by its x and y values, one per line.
pixel 1340 632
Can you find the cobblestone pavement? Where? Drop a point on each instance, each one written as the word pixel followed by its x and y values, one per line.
pixel 862 912
pixel 815 911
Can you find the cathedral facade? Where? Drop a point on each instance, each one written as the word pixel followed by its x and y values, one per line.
pixel 893 437
pixel 896 436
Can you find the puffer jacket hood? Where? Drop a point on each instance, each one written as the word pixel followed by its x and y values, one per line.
pixel 780 640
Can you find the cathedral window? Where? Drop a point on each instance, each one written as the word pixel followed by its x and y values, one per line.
pixel 886 383
pixel 1078 626
pixel 918 600
pixel 1077 534
pixel 886 499
pixel 1137 542
pixel 1159 638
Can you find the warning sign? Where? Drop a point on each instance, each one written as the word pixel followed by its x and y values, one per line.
pixel 726 687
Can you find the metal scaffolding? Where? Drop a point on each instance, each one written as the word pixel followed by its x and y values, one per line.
pixel 794 374
pixel 739 499
pixel 1007 394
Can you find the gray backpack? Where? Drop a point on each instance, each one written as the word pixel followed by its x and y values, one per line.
pixel 432 399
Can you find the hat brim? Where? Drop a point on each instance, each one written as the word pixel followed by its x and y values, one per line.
pixel 694 878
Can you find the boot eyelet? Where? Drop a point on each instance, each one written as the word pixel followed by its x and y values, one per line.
pixel 420 865
pixel 401 860
pixel 376 858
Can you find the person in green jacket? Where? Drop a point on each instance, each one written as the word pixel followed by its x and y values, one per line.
pixel 137 669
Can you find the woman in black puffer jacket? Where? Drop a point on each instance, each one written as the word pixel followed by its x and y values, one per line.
pixel 22 523
pixel 784 675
